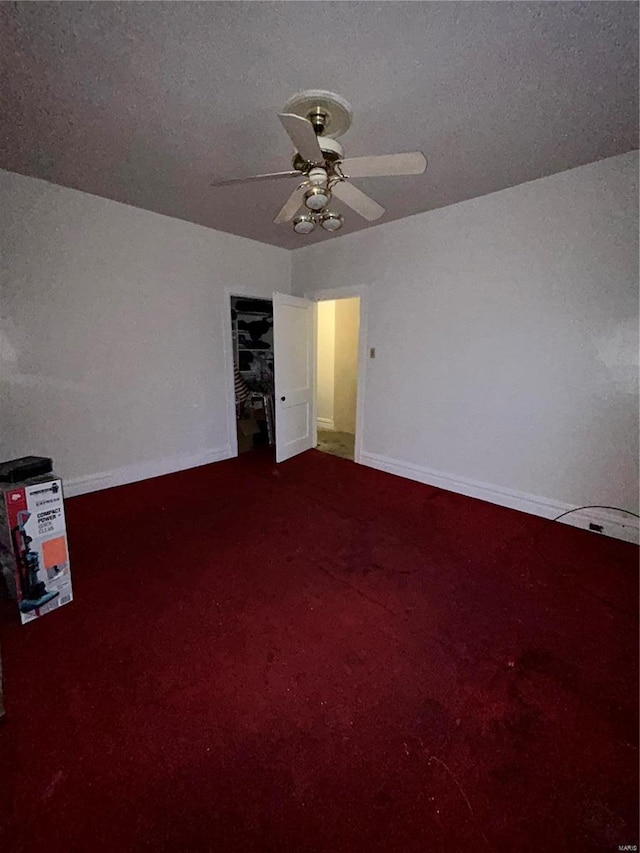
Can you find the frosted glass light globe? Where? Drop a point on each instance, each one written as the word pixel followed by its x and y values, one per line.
pixel 303 225
pixel 317 198
pixel 332 222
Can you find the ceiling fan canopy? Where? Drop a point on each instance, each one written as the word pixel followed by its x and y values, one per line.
pixel 313 120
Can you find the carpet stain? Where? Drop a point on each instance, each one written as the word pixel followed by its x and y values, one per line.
pixel 51 787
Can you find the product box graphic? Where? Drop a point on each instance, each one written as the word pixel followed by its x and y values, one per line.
pixel 34 532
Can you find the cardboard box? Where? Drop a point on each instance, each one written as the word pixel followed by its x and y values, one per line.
pixel 34 536
pixel 248 426
pixel 245 442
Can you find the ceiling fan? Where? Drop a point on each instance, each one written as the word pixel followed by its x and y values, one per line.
pixel 313 120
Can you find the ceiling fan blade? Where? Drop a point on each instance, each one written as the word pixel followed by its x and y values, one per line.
pixel 303 136
pixel 267 177
pixel 413 163
pixel 291 206
pixel 357 200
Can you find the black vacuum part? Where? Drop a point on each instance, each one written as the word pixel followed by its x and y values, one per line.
pixel 17 470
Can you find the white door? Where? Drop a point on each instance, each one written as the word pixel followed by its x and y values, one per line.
pixel 294 351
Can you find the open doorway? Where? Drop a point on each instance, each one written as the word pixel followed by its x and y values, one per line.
pixel 253 370
pixel 337 375
pixel 271 352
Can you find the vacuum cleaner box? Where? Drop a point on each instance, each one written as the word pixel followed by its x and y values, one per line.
pixel 34 533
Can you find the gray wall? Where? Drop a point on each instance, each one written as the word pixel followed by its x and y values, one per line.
pixel 506 342
pixel 111 350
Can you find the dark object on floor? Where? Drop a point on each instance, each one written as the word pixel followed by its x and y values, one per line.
pixel 19 470
pixel 328 660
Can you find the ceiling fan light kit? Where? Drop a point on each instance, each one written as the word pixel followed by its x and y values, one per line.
pixel 332 221
pixel 317 198
pixel 328 221
pixel 304 224
pixel 312 120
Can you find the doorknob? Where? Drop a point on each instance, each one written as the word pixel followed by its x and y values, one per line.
pixel 283 399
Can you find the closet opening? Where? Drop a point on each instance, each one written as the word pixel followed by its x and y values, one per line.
pixel 252 342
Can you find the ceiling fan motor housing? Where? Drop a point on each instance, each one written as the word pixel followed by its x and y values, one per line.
pixel 318 176
pixel 318 118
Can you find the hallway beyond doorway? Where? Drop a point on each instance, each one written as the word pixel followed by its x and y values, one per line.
pixel 337 375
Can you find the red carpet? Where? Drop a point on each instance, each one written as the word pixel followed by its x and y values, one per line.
pixel 323 657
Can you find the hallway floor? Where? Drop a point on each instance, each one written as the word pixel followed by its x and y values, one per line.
pixel 340 444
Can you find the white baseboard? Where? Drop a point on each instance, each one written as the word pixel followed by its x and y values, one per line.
pixel 614 524
pixel 325 423
pixel 143 471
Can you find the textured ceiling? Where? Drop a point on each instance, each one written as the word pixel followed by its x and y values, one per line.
pixel 146 103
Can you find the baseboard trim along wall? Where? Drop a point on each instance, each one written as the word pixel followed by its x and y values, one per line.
pixel 144 471
pixel 325 423
pixel 614 524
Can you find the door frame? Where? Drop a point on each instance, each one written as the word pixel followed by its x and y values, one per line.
pixel 227 342
pixel 362 291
